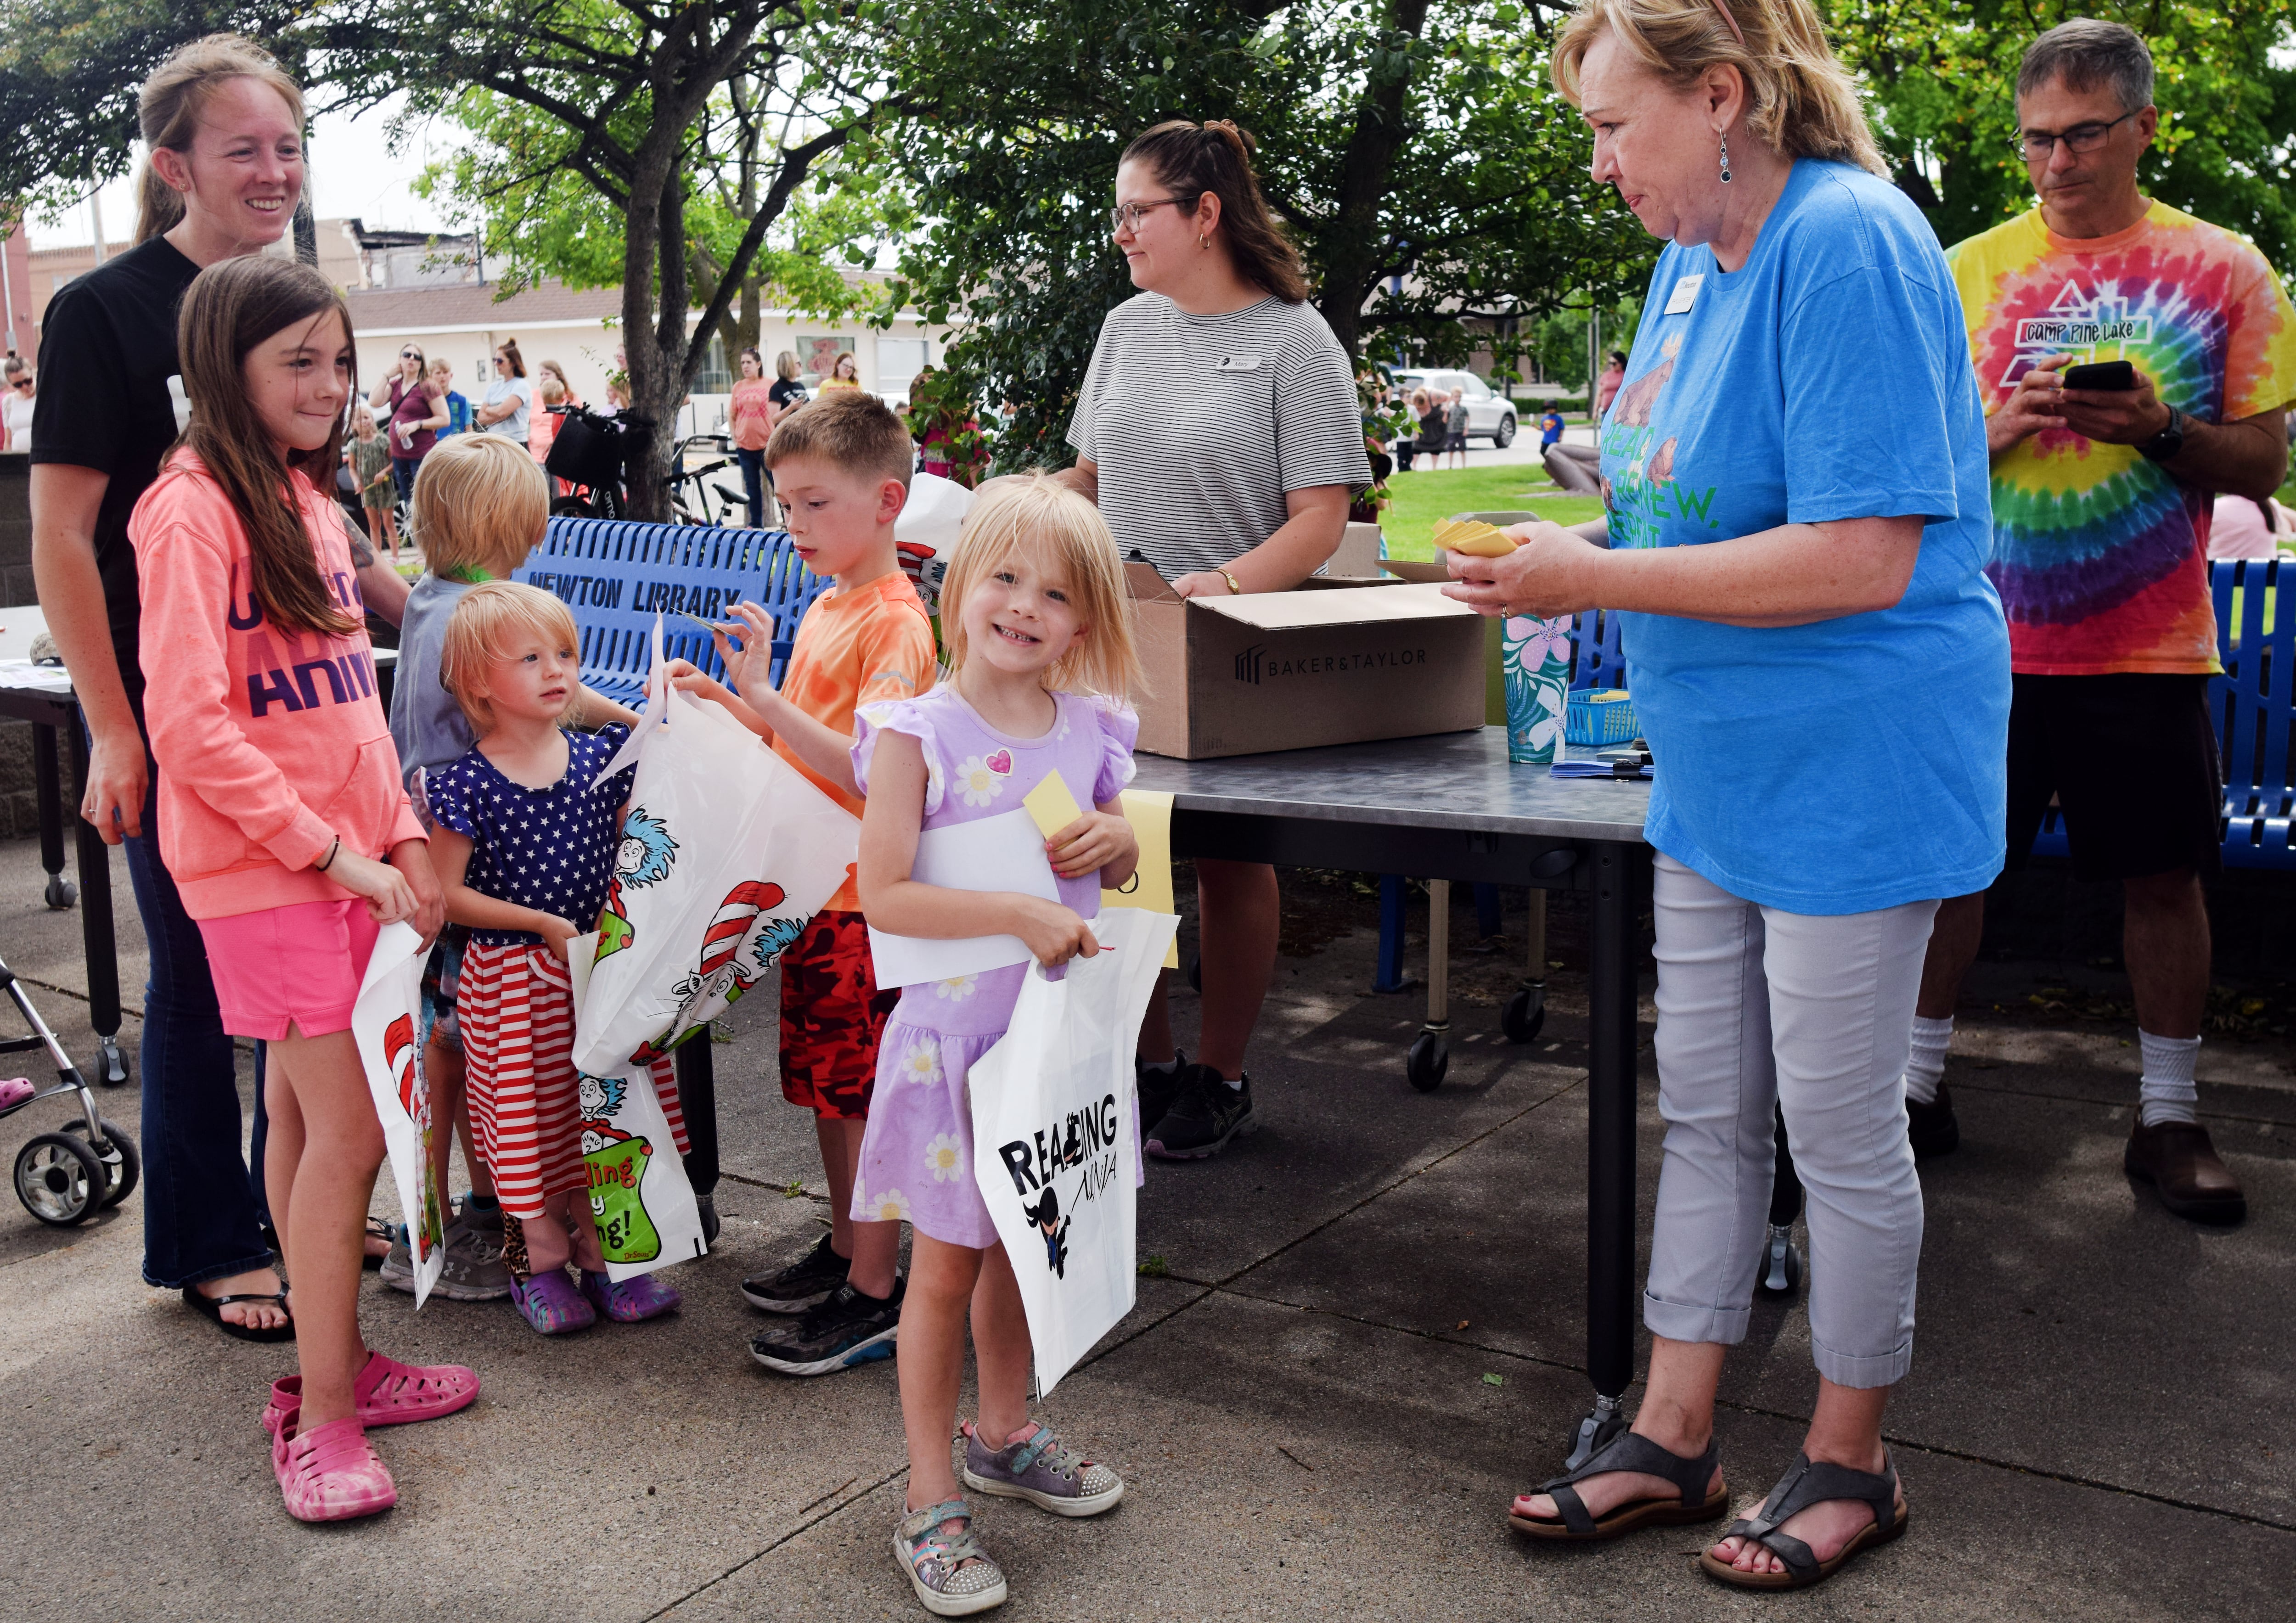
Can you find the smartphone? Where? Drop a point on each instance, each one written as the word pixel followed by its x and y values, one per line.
pixel 2099 374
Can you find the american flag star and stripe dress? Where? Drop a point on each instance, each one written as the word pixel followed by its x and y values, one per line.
pixel 551 850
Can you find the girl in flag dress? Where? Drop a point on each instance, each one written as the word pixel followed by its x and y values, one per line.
pixel 528 835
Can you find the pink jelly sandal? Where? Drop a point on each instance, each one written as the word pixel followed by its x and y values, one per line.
pixel 329 1473
pixel 630 1300
pixel 388 1393
pixel 14 1091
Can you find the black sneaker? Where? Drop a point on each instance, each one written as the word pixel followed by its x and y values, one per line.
pixel 1931 1127
pixel 1159 1087
pixel 805 1283
pixel 1205 1115
pixel 846 1330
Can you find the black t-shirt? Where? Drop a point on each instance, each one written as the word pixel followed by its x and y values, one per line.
pixel 785 392
pixel 109 389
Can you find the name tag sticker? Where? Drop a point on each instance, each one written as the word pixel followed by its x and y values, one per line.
pixel 1238 363
pixel 1685 294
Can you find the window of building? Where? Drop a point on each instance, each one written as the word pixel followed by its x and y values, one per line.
pixel 898 362
pixel 717 377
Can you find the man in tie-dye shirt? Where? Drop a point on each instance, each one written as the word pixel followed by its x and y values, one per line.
pixel 2101 507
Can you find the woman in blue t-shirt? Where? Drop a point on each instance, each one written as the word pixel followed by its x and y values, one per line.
pixel 1795 479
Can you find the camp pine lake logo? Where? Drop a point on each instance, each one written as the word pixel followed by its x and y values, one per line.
pixel 1083 1140
pixel 2078 324
pixel 1253 665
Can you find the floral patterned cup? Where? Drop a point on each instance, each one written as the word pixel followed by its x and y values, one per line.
pixel 1536 660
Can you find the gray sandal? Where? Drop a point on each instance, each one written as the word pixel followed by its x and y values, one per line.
pixel 934 1560
pixel 1629 1452
pixel 1806 1485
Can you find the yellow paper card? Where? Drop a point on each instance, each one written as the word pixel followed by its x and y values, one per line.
pixel 1052 805
pixel 1474 537
pixel 1149 813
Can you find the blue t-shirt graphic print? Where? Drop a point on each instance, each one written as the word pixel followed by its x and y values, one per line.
pixel 1858 762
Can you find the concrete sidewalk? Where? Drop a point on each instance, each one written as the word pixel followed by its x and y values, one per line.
pixel 1365 1336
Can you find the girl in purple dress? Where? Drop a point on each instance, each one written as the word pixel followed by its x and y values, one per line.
pixel 1040 658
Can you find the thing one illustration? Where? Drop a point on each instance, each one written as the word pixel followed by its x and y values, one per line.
pixel 644 857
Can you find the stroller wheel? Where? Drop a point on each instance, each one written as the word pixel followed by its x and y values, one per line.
pixel 59 1179
pixel 121 1164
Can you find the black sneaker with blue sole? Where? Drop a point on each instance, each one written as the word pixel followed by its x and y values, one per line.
pixel 1206 1116
pixel 848 1329
pixel 807 1282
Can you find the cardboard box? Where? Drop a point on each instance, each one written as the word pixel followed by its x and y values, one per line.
pixel 1357 557
pixel 1333 662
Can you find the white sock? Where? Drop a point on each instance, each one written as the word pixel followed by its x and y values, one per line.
pixel 1162 1068
pixel 1925 1066
pixel 2167 1093
pixel 1236 1084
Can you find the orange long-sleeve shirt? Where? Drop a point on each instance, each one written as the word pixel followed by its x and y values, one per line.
pixel 271 743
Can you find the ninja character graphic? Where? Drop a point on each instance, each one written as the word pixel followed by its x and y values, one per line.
pixel 1046 1214
pixel 643 858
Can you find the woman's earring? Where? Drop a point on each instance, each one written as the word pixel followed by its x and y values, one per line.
pixel 1725 160
pixel 1203 242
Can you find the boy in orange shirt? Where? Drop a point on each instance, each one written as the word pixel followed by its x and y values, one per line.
pixel 840 467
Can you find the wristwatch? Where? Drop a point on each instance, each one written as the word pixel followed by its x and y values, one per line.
pixel 2167 442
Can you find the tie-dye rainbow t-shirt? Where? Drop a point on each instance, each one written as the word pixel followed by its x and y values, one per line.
pixel 2100 557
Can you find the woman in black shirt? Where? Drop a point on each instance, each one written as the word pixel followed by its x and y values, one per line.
pixel 223 127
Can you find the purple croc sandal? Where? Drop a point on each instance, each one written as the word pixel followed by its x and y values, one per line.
pixel 631 1299
pixel 551 1304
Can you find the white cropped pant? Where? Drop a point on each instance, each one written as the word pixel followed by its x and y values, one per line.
pixel 1757 1005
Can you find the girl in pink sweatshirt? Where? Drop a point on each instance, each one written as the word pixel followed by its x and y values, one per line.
pixel 283 819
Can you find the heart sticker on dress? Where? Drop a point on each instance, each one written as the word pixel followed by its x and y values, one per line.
pixel 1000 763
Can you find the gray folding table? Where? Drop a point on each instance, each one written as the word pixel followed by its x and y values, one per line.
pixel 1453 808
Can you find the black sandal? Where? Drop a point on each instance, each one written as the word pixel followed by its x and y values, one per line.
pixel 377 1229
pixel 210 1308
pixel 1629 1452
pixel 1800 1489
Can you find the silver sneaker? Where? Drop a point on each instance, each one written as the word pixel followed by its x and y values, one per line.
pixel 1041 1470
pixel 932 1559
pixel 474 1272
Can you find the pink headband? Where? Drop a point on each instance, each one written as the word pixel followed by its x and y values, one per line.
pixel 1723 6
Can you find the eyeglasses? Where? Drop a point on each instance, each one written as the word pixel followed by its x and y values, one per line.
pixel 2038 143
pixel 410 355
pixel 1126 217
pixel 21 383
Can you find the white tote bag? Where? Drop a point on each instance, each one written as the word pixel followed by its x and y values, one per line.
pixel 1055 1149
pixel 725 854
pixel 384 1023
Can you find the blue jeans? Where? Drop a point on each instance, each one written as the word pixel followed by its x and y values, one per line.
pixel 753 481
pixel 403 470
pixel 201 1208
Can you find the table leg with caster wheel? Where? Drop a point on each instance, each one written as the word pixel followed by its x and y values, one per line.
pixel 1430 1051
pixel 1526 1012
pixel 48 784
pixel 110 1067
pixel 1781 1271
pixel 1610 1152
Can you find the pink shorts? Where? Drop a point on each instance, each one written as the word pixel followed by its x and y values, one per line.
pixel 296 966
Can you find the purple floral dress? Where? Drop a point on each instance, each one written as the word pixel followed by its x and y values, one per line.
pixel 916 1157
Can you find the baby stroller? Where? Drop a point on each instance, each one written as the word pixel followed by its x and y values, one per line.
pixel 66 1177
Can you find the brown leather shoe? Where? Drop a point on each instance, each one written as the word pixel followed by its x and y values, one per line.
pixel 2180 1163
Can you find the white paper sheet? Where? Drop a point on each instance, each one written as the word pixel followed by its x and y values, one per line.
pixel 383 1024
pixel 1000 853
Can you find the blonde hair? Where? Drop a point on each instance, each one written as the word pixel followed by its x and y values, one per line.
pixel 1061 531
pixel 1801 100
pixel 175 99
pixel 553 391
pixel 480 504
pixel 482 624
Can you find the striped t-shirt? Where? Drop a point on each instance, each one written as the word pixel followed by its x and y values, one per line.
pixel 1201 424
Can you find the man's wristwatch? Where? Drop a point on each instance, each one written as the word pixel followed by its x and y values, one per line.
pixel 2167 442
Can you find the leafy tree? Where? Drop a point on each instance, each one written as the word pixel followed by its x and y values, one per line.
pixel 596 108
pixel 1412 146
pixel 1941 75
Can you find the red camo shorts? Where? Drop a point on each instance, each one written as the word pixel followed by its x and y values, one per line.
pixel 832 1015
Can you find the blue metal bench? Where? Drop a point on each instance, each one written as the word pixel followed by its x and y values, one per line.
pixel 2251 707
pixel 617 576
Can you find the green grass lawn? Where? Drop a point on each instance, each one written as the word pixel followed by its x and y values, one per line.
pixel 1423 500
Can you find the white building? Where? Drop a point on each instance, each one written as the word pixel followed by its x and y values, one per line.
pixel 462 322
